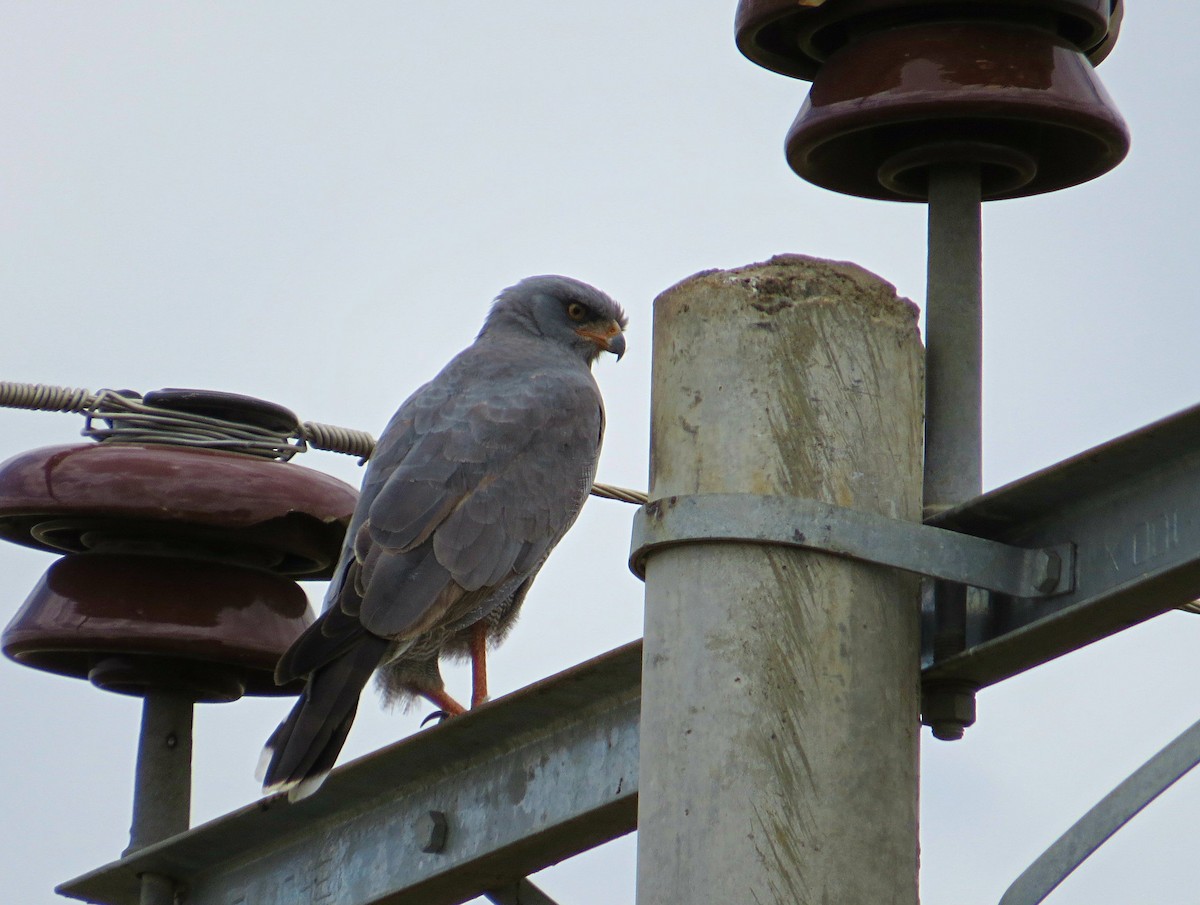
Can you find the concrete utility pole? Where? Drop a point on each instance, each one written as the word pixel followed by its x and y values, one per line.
pixel 779 728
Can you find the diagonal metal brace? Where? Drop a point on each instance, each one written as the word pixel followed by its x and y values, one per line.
pixel 1113 811
pixel 811 525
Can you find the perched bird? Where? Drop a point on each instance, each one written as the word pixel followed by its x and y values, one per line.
pixel 475 479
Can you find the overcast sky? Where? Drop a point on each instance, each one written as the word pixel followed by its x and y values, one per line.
pixel 315 204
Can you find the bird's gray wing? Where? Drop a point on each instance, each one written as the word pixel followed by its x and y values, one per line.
pixel 485 477
pixel 339 629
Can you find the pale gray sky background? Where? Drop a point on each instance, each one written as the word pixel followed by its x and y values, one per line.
pixel 315 203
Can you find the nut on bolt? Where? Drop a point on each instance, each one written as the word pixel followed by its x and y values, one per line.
pixel 1049 570
pixel 948 708
pixel 431 831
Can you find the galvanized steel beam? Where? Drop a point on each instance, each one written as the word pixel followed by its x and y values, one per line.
pixel 1085 548
pixel 520 784
pixel 520 893
pixel 1130 508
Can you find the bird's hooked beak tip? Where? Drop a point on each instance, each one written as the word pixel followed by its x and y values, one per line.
pixel 616 345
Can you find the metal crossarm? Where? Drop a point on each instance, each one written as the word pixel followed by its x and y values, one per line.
pixel 811 525
pixel 435 819
pixel 1130 507
pixel 521 893
pixel 1071 554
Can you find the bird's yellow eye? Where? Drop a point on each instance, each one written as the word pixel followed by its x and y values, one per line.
pixel 576 311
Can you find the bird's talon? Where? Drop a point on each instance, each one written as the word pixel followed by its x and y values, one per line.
pixel 440 715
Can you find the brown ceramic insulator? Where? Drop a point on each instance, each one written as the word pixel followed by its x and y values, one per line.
pixel 795 37
pixel 194 503
pixel 227 406
pixel 132 623
pixel 1098 53
pixel 1018 100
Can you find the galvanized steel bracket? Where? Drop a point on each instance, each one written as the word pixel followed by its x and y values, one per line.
pixel 811 525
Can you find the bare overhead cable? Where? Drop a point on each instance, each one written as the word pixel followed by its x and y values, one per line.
pixel 123 416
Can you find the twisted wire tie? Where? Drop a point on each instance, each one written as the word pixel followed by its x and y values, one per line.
pixel 44 398
pixel 121 415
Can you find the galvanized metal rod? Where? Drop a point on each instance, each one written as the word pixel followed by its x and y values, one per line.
pixel 1113 811
pixel 778 757
pixel 953 404
pixel 156 890
pixel 162 791
pixel 953 338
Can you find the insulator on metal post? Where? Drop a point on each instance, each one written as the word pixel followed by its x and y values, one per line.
pixel 955 104
pixel 178 582
pixel 902 85
pixel 795 39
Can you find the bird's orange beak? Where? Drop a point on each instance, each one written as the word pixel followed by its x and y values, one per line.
pixel 608 338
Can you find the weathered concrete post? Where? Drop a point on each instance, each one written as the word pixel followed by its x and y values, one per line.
pixel 779 732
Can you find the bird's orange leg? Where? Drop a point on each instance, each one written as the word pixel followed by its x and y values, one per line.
pixel 443 701
pixel 479 689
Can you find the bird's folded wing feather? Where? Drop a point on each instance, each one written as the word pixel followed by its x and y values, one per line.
pixel 472 486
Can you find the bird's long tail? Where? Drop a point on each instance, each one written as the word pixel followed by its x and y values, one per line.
pixel 301 752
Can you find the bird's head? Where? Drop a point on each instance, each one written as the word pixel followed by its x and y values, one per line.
pixel 565 311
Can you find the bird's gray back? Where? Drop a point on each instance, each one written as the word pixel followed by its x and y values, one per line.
pixel 475 479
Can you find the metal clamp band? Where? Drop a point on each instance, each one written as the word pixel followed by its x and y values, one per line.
pixel 810 525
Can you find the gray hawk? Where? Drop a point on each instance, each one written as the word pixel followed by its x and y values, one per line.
pixel 475 479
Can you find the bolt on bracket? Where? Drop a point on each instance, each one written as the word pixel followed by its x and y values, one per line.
pixel 811 525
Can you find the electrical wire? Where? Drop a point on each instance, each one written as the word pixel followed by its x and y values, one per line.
pixel 122 416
